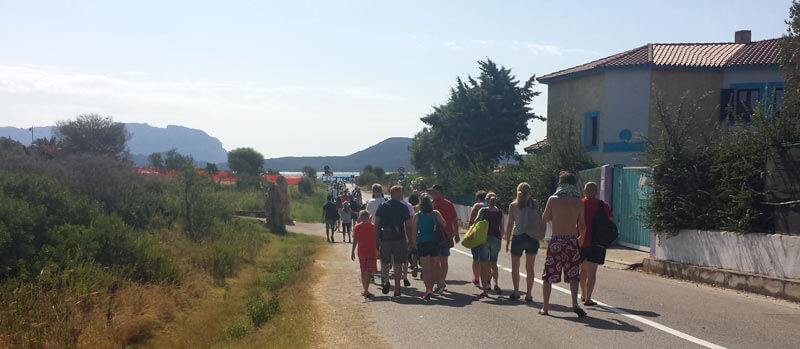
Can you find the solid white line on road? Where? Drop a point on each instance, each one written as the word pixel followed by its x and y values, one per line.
pixel 638 318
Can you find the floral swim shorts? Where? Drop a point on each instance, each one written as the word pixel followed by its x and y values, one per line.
pixel 562 254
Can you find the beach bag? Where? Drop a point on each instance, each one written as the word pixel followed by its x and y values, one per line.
pixel 604 231
pixel 476 235
pixel 534 226
pixel 441 235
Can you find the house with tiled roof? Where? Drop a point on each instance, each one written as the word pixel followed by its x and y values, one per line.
pixel 613 99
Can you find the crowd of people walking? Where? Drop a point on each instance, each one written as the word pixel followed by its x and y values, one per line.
pixel 419 232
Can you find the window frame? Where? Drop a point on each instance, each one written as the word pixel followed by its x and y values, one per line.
pixel 591 131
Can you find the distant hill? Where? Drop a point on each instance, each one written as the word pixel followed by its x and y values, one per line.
pixel 389 154
pixel 146 139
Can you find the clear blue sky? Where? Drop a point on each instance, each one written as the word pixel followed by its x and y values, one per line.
pixel 316 77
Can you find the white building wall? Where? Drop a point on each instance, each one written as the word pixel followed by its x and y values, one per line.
pixel 746 76
pixel 626 106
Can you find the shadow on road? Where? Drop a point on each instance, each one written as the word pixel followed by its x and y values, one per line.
pixel 603 324
pixel 645 313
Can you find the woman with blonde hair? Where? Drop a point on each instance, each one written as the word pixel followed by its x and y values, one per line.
pixel 519 241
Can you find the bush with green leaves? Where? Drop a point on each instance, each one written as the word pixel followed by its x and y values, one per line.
pixel 260 310
pixel 714 179
pixel 306 186
pixel 42 224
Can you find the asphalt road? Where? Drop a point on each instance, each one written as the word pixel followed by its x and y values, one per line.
pixel 638 310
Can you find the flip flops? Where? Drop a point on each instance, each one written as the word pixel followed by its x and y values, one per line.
pixel 513 297
pixel 590 303
pixel 579 311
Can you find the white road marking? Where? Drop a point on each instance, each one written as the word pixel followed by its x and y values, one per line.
pixel 638 318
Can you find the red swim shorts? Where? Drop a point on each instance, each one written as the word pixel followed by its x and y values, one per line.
pixel 562 254
pixel 368 264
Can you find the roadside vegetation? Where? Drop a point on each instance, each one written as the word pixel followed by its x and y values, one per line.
pixel 94 254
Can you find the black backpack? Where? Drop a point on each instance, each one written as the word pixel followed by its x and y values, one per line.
pixel 604 231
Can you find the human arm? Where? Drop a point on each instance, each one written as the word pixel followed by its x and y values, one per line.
pixel 377 230
pixel 353 251
pixel 581 225
pixel 547 216
pixel 410 235
pixel 414 225
pixel 510 225
pixel 473 213
pixel 454 227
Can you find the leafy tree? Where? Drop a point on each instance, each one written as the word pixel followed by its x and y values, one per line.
pixel 93 134
pixel 326 169
pixel 787 120
pixel 8 144
pixel 306 186
pixel 246 161
pixel 211 169
pixel 155 160
pixel 176 161
pixel 482 122
pixel 310 172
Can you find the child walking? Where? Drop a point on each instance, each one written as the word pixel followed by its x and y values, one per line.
pixel 347 220
pixel 364 241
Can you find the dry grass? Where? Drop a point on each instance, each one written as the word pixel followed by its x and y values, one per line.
pixel 220 306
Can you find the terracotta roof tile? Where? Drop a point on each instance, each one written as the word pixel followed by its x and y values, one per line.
pixel 702 55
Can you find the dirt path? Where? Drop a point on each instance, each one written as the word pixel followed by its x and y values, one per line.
pixel 344 319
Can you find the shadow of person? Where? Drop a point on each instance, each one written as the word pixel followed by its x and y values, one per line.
pixel 645 313
pixel 598 323
pixel 454 299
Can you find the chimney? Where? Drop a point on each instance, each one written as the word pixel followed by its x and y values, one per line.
pixel 742 37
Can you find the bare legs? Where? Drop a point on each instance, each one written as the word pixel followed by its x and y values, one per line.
pixel 494 273
pixel 442 264
pixel 476 269
pixel 430 275
pixel 547 287
pixel 515 274
pixel 588 279
pixel 486 276
pixel 530 260
pixel 365 280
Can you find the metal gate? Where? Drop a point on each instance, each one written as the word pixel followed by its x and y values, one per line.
pixel 630 193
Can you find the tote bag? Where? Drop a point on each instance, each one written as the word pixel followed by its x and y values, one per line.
pixel 476 235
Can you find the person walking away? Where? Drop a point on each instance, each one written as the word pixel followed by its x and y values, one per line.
pixel 565 209
pixel 520 241
pixel 364 242
pixel 480 202
pixel 372 207
pixel 413 255
pixel 591 254
pixel 347 221
pixel 411 252
pixel 424 223
pixel 490 250
pixel 394 237
pixel 448 211
pixel 376 201
pixel 355 207
pixel 330 215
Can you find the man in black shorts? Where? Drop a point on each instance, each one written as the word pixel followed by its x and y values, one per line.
pixel 591 255
pixel 393 237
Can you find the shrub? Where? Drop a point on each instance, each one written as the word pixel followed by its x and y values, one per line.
pixel 260 310
pixel 306 186
pixel 235 331
pixel 220 259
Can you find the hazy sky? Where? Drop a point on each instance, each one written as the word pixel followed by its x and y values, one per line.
pixel 316 77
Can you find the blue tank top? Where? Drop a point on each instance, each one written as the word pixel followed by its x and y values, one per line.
pixel 424 227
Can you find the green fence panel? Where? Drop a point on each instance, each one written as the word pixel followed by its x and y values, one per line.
pixel 590 175
pixel 630 194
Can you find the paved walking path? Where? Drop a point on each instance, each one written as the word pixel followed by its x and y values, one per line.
pixel 638 310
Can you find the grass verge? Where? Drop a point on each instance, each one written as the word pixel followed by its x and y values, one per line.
pixel 306 208
pixel 268 304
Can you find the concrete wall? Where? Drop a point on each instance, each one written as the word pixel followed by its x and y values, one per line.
pixel 570 99
pixel 746 76
pixel 672 85
pixel 626 107
pixel 767 254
